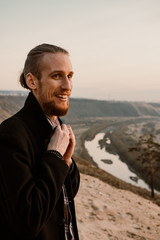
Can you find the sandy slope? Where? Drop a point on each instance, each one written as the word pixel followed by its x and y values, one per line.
pixel 104 212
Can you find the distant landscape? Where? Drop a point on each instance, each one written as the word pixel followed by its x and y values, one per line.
pixel 88 117
pixel 93 108
pixel 99 108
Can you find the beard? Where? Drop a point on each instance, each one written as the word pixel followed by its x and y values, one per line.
pixel 51 109
pixel 49 105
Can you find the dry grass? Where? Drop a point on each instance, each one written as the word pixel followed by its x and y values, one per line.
pixel 88 168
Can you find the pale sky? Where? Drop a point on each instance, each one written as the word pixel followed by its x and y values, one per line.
pixel 114 44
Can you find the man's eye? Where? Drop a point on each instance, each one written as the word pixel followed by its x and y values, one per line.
pixel 56 76
pixel 70 76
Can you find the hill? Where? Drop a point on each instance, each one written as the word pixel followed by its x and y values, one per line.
pixel 105 212
pixel 9 105
pixel 98 108
pixel 87 108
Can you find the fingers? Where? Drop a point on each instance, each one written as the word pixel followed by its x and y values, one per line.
pixel 69 152
pixel 65 129
pixel 60 139
pixel 71 134
pixel 62 129
pixel 63 140
pixel 70 130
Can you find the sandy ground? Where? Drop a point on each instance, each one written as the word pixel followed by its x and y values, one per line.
pixel 104 212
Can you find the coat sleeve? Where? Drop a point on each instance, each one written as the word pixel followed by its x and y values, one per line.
pixel 75 178
pixel 27 197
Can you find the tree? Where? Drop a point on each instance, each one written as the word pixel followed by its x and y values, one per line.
pixel 149 153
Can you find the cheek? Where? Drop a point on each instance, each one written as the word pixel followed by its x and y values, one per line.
pixel 50 93
pixel 45 93
pixel 50 89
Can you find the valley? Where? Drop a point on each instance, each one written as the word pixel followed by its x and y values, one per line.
pixel 87 119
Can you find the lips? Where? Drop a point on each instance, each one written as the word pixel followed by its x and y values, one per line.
pixel 65 97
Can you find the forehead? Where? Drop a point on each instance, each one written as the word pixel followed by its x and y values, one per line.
pixel 56 62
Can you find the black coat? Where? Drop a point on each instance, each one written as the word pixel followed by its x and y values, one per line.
pixel 31 200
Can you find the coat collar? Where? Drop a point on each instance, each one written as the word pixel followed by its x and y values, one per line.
pixel 34 116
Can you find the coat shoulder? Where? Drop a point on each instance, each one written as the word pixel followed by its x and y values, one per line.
pixel 12 125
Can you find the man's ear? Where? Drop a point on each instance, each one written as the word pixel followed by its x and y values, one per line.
pixel 31 81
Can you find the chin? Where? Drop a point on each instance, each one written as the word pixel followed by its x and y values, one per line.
pixel 59 112
pixel 53 109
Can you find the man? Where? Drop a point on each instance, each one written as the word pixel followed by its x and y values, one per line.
pixel 38 177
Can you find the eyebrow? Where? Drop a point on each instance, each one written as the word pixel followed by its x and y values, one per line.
pixel 59 71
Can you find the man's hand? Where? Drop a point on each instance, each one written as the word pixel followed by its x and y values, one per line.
pixel 63 141
pixel 60 139
pixel 70 149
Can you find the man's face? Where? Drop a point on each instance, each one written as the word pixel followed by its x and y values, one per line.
pixel 55 86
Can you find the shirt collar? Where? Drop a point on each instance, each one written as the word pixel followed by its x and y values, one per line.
pixel 52 123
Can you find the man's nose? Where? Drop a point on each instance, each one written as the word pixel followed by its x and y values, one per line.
pixel 67 83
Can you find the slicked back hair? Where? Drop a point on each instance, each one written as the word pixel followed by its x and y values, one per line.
pixel 33 63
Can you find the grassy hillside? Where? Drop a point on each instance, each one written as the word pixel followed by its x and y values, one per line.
pixel 80 108
pixel 85 108
pixel 9 105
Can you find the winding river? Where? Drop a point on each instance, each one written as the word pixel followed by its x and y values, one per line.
pixel 111 163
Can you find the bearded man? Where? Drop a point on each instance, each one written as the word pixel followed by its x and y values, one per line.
pixel 38 177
